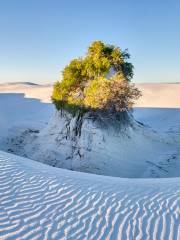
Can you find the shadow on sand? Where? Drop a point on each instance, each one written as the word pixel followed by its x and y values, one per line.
pixel 18 111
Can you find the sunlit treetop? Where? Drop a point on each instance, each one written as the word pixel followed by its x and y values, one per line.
pixel 84 79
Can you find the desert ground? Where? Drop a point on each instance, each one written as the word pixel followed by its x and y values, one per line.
pixel 38 201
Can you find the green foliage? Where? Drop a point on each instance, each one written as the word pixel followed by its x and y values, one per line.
pixel 97 93
pixel 85 85
pixel 72 77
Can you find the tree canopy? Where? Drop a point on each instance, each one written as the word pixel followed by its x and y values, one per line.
pixel 100 80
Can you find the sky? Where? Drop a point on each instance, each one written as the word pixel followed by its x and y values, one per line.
pixel 39 37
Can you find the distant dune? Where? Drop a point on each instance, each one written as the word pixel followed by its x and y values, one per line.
pixel 31 90
pixel 162 95
pixel 19 83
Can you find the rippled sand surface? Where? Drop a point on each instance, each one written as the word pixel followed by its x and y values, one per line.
pixel 41 202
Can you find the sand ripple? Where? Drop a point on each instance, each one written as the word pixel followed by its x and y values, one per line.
pixel 41 202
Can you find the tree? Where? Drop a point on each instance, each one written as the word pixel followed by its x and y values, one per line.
pixel 85 84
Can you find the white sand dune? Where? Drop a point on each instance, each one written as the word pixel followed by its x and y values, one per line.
pixel 30 90
pixel 41 202
pixel 20 113
pixel 159 95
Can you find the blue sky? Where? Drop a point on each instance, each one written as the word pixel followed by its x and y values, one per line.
pixel 39 37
